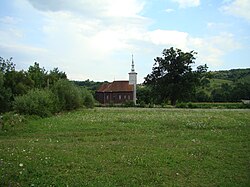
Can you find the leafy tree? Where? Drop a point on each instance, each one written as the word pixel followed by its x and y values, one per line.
pixel 38 75
pixel 202 96
pixel 6 65
pixel 144 94
pixel 240 91
pixel 68 94
pixel 172 76
pixel 18 82
pixel 5 96
pixel 55 75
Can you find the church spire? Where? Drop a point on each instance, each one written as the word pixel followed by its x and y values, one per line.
pixel 133 66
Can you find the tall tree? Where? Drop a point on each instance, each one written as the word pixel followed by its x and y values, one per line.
pixel 172 76
pixel 38 75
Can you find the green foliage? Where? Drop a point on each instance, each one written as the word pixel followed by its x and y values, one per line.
pixel 144 94
pixel 129 103
pixel 142 104
pixel 36 102
pixel 88 99
pixel 172 76
pixel 217 105
pixel 5 96
pixel 10 120
pixel 19 82
pixel 6 65
pixel 90 85
pixel 54 76
pixel 68 94
pixel 233 75
pixel 38 75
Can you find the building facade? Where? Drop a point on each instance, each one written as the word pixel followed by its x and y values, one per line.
pixel 118 92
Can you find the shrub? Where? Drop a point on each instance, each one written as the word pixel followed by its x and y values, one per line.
pixel 10 119
pixel 129 103
pixel 181 105
pixel 36 102
pixel 68 95
pixel 88 99
pixel 142 104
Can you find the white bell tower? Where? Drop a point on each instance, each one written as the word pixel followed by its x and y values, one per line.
pixel 133 79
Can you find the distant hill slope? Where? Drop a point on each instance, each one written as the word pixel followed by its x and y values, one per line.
pixel 235 75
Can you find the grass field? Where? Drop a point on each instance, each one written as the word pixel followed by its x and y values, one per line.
pixel 129 147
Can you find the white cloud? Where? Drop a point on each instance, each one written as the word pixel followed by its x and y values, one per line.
pixel 9 20
pixel 211 50
pixel 187 3
pixel 239 8
pixel 92 8
pixel 169 10
pixel 95 38
pixel 168 38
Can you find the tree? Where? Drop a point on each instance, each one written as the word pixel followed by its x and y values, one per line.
pixel 55 75
pixel 18 82
pixel 6 65
pixel 5 95
pixel 38 75
pixel 172 76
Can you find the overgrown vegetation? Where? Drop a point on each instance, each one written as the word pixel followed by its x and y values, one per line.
pixel 129 147
pixel 39 92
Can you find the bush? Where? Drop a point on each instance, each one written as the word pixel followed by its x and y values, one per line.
pixel 36 102
pixel 142 104
pixel 10 119
pixel 129 103
pixel 181 105
pixel 68 95
pixel 88 99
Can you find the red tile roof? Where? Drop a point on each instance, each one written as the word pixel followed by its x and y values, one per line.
pixel 116 86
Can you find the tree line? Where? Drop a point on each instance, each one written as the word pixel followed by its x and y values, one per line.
pixel 173 79
pixel 38 91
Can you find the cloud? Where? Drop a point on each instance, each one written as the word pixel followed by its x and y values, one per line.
pixel 169 10
pixel 239 8
pixel 187 3
pixel 168 37
pixel 95 38
pixel 92 8
pixel 9 20
pixel 211 50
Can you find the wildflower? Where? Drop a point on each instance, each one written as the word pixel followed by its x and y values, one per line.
pixel 21 164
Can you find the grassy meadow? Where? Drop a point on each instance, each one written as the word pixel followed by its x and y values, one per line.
pixel 129 147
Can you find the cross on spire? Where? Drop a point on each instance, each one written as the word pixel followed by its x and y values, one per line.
pixel 133 66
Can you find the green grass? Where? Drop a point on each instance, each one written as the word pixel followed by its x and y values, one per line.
pixel 129 147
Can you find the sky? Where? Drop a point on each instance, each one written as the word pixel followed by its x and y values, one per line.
pixel 95 39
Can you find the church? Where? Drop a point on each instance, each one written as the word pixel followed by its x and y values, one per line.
pixel 119 92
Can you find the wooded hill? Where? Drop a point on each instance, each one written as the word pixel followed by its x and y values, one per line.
pixel 227 85
pixel 234 75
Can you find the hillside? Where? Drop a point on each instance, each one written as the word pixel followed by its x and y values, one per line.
pixel 235 75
